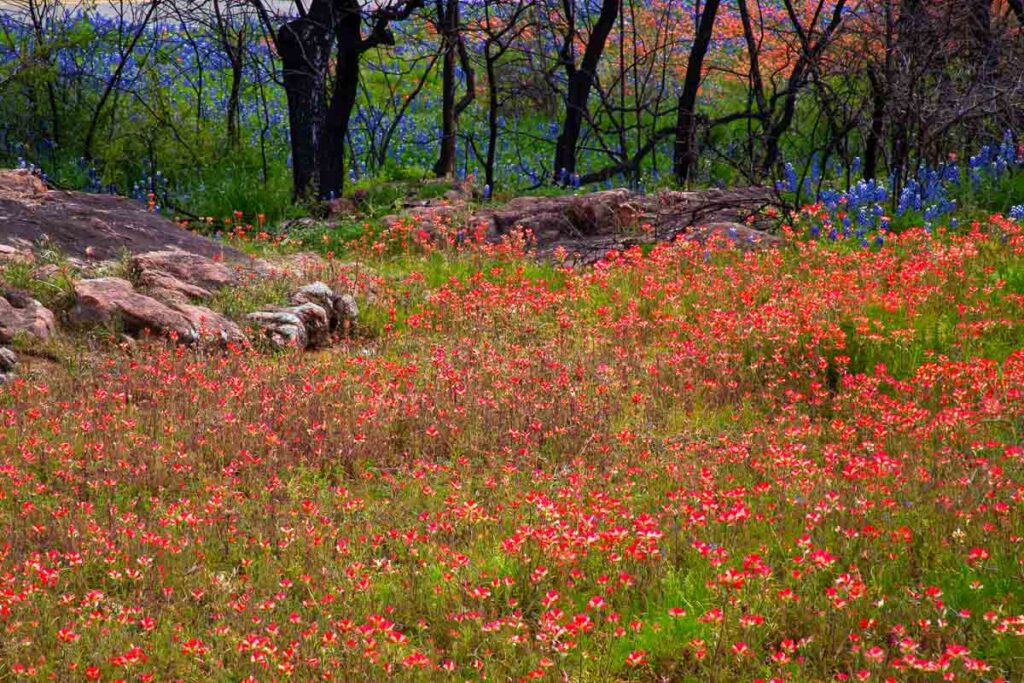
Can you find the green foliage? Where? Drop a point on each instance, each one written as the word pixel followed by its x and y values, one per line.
pixel 50 278
pixel 236 302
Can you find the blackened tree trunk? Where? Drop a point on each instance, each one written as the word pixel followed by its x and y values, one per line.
pixel 686 117
pixel 448 24
pixel 234 95
pixel 304 46
pixel 979 20
pixel 873 144
pixel 331 150
pixel 581 80
pixel 492 114
pixel 907 34
pixel 881 89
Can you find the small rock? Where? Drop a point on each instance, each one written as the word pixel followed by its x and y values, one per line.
pixel 20 313
pixel 343 206
pixel 15 255
pixel 341 309
pixel 316 293
pixel 8 364
pixel 741 236
pixel 21 184
pixel 8 360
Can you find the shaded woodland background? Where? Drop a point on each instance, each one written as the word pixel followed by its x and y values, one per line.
pixel 245 105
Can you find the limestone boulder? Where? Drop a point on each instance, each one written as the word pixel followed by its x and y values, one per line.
pixel 304 326
pixel 90 227
pixel 193 274
pixel 282 328
pixel 316 293
pixel 160 281
pixel 210 324
pixel 111 300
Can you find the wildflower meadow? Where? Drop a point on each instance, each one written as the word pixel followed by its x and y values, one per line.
pixel 512 340
pixel 689 464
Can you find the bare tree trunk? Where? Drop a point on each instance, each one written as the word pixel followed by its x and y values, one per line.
pixel 331 151
pixel 234 96
pixel 686 119
pixel 492 115
pixel 873 143
pixel 319 127
pixel 304 46
pixel 979 19
pixel 581 81
pixel 900 142
pixel 448 23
